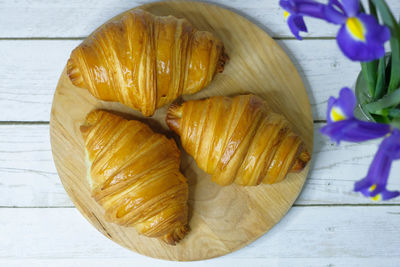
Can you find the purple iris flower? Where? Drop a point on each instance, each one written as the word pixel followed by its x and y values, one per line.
pixel 343 126
pixel 294 11
pixel 374 185
pixel 304 8
pixel 296 24
pixel 360 37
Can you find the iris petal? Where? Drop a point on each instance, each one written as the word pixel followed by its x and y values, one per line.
pixel 303 7
pixel 376 33
pixel 386 194
pixel 347 100
pixel 351 7
pixel 353 130
pixel 332 15
pixel 299 22
pixel 374 184
pixel 296 24
pixel 314 9
pixel 392 148
pixel 356 50
pixel 346 103
pixel 364 186
pixel 377 194
pixel 372 44
pixel 336 4
pixel 360 38
pixel 287 5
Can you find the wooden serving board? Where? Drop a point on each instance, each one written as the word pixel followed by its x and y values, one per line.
pixel 222 219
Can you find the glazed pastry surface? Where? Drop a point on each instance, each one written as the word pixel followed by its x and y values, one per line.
pixel 134 175
pixel 145 61
pixel 238 139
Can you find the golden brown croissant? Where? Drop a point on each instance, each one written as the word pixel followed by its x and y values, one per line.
pixel 145 61
pixel 135 176
pixel 238 139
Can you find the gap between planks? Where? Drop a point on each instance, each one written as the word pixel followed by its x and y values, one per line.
pixel 294 205
pixel 46 122
pixel 43 123
pixel 82 38
pixel 318 71
pixel 24 123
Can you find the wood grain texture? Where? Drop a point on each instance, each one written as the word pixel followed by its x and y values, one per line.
pixel 314 235
pixel 30 70
pixel 27 171
pixel 223 219
pixel 61 237
pixel 28 176
pixel 58 18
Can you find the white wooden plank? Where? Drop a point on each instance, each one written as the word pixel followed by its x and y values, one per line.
pixel 335 169
pixel 76 18
pixel 30 70
pixel 28 177
pixel 323 68
pixel 305 232
pixel 29 73
pixel 27 174
pixel 224 261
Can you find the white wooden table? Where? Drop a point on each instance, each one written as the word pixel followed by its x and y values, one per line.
pixel 329 224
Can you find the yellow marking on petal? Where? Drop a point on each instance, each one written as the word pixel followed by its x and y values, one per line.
pixel 337 114
pixel 286 14
pixel 377 197
pixel 372 188
pixel 356 28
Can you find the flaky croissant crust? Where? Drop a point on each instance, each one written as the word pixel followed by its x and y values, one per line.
pixel 145 61
pixel 238 139
pixel 135 176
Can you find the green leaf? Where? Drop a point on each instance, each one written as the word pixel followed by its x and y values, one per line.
pixel 394 113
pixel 388 70
pixel 363 97
pixel 361 113
pixel 383 112
pixel 381 119
pixel 395 72
pixel 396 123
pixel 372 9
pixel 391 22
pixel 389 100
pixel 369 71
pixel 381 82
pixel 362 91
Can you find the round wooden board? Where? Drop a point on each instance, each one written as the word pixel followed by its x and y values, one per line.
pixel 222 219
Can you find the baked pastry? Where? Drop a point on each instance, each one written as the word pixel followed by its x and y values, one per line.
pixel 145 61
pixel 238 139
pixel 134 175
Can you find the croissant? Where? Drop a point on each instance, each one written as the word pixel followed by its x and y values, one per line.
pixel 134 176
pixel 238 139
pixel 145 61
